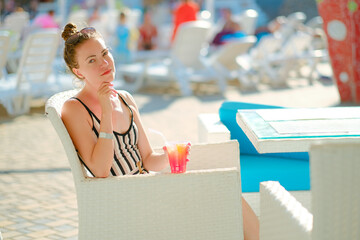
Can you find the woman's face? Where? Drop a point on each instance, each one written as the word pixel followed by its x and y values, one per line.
pixel 96 63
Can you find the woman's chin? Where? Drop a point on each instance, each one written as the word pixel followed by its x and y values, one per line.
pixel 110 78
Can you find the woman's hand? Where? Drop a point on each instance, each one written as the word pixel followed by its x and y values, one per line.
pixel 104 93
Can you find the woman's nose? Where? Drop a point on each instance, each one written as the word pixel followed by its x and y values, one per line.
pixel 105 62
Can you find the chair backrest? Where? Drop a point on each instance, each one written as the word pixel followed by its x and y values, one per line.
pixel 189 42
pixel 79 17
pixel 296 18
pixel 4 50
pixel 291 25
pixel 315 22
pixel 247 20
pixel 107 23
pixel 226 56
pixel 17 21
pixel 53 111
pixel 267 45
pixel 335 180
pixel 36 62
pixel 297 44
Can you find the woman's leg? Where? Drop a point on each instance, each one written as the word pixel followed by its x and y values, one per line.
pixel 250 221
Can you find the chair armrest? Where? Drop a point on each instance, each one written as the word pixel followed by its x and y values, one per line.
pixel 203 204
pixel 282 216
pixel 211 129
pixel 213 156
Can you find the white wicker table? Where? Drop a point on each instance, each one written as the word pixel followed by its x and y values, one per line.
pixel 295 129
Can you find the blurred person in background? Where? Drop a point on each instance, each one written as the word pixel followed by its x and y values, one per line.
pixel 9 7
pixel 95 16
pixel 148 33
pixel 230 29
pixel 185 12
pixel 122 40
pixel 33 9
pixel 46 20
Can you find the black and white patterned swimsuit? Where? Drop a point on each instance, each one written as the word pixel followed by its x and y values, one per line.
pixel 126 151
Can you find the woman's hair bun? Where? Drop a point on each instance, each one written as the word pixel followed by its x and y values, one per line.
pixel 68 31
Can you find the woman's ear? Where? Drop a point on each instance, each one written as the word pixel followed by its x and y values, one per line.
pixel 77 73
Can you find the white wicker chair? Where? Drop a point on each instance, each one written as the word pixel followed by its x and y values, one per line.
pixel 335 210
pixel 203 203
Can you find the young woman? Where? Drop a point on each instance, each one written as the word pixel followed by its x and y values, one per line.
pixel 104 125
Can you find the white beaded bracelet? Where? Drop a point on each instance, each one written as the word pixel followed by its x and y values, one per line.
pixel 105 135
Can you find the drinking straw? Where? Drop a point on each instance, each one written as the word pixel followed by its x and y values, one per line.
pixel 159 133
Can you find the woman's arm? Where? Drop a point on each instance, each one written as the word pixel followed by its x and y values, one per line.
pixel 152 161
pixel 97 153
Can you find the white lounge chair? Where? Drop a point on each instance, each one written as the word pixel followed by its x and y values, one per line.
pixel 16 23
pixel 15 100
pixel 290 25
pixel 186 64
pixel 32 80
pixel 224 60
pixel 5 41
pixel 290 57
pixel 131 77
pixel 79 17
pixel 247 20
pixel 315 22
pixel 301 45
pixel 335 207
pixel 203 203
pixel 255 63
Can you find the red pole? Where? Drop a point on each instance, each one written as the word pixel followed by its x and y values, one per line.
pixel 342 27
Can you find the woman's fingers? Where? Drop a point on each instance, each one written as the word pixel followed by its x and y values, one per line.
pixel 105 92
pixel 106 88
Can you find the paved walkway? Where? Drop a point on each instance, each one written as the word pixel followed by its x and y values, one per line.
pixel 37 195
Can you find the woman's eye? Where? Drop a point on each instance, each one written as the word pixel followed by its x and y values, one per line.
pixel 105 53
pixel 91 60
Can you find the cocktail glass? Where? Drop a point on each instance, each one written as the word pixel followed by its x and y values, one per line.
pixel 178 156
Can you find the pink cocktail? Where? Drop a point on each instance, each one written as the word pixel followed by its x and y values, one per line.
pixel 178 156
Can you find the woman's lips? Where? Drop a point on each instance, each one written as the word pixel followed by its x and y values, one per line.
pixel 106 72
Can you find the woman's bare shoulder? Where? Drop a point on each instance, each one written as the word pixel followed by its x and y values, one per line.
pixel 72 109
pixel 127 97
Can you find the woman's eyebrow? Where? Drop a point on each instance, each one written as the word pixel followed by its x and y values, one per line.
pixel 105 49
pixel 90 57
